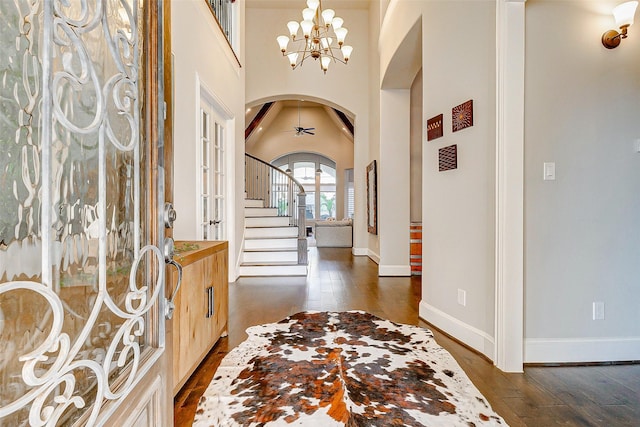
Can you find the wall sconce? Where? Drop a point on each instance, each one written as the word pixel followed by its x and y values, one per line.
pixel 623 14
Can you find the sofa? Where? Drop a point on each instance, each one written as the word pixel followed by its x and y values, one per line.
pixel 334 234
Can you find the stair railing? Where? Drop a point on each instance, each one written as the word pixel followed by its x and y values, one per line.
pixel 278 190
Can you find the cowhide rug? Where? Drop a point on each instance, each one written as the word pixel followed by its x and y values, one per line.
pixel 351 369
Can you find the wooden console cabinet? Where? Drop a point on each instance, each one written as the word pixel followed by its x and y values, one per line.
pixel 202 305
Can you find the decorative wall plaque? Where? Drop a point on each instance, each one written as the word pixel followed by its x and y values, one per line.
pixel 448 158
pixel 462 116
pixel 434 127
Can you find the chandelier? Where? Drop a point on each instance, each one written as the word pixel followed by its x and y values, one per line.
pixel 323 38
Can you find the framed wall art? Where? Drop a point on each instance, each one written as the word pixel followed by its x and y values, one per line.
pixel 372 198
pixel 448 158
pixel 434 127
pixel 462 116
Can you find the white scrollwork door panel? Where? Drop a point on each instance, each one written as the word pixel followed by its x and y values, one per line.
pixel 81 275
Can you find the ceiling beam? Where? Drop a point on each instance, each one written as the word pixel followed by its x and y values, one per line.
pixel 257 119
pixel 345 120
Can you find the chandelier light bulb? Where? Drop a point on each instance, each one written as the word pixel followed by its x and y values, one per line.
pixel 307 26
pixel 346 51
pixel 313 4
pixel 283 41
pixel 326 42
pixel 308 14
pixel 327 16
pixel 324 62
pixel 293 28
pixel 341 33
pixel 293 58
pixel 337 22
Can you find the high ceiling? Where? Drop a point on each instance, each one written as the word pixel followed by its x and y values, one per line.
pixel 264 115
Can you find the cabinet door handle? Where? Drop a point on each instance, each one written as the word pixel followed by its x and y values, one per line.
pixel 210 299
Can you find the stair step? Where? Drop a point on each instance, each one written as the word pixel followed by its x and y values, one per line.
pixel 261 257
pixel 270 243
pixel 253 203
pixel 272 269
pixel 270 221
pixel 266 249
pixel 260 212
pixel 270 232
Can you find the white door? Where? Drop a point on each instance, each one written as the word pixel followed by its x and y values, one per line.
pixel 212 172
pixel 82 328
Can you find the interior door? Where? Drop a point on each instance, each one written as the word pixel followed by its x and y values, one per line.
pixel 212 170
pixel 82 336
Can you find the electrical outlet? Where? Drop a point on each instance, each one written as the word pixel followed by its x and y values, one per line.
pixel 462 297
pixel 598 310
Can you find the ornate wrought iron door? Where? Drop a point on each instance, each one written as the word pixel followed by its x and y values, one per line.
pixel 81 275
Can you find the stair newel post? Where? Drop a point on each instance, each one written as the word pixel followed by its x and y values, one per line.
pixel 302 229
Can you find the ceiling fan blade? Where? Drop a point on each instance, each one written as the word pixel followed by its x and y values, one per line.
pixel 309 133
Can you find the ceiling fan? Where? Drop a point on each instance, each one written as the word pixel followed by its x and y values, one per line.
pixel 300 131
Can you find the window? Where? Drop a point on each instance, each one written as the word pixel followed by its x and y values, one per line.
pixel 350 193
pixel 212 211
pixel 327 178
pixel 205 154
pixel 317 175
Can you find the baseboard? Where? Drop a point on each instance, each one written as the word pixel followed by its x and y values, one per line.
pixel 581 350
pixel 469 335
pixel 374 256
pixel 394 270
pixel 359 251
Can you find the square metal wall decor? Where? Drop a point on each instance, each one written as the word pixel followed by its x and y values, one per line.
pixel 462 116
pixel 448 158
pixel 434 127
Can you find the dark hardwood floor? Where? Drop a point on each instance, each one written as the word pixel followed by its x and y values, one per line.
pixel 542 396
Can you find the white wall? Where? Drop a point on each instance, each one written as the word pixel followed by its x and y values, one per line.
pixel 269 76
pixel 415 150
pixel 372 242
pixel 201 54
pixel 582 106
pixel 393 183
pixel 458 206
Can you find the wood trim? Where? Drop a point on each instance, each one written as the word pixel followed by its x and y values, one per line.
pixel 345 120
pixel 201 250
pixel 168 98
pixel 257 119
pixel 152 133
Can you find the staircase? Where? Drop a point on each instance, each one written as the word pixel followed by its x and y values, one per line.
pixel 275 241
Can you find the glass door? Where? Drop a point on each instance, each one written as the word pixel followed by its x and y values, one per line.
pixel 81 272
pixel 213 173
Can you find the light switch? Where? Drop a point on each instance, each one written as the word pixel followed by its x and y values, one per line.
pixel 549 173
pixel 636 145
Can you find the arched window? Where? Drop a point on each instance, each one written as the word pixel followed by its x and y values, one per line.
pixel 317 174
